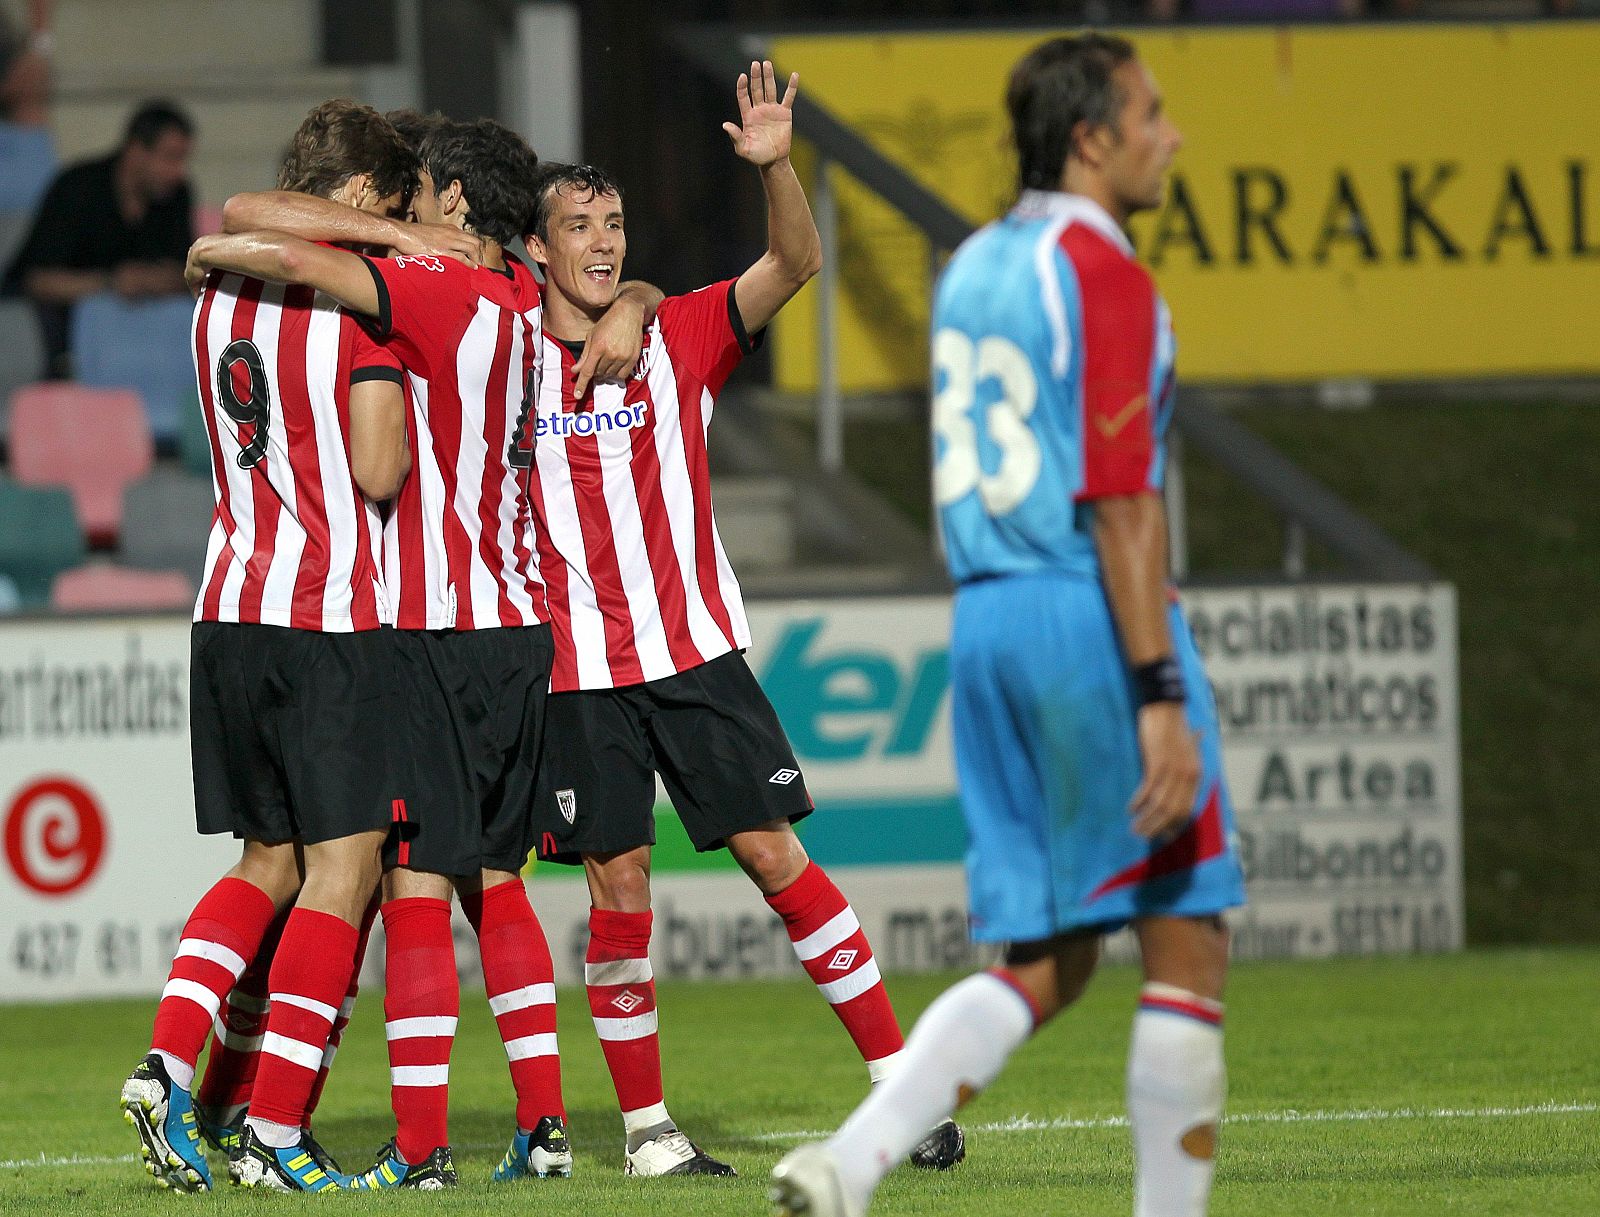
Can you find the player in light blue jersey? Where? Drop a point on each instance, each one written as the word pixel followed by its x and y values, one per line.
pixel 1086 738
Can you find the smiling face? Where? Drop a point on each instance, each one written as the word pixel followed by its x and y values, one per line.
pixel 582 247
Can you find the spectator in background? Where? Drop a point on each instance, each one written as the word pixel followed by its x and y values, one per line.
pixel 121 223
pixel 25 67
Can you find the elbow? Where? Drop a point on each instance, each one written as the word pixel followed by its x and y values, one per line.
pixel 236 214
pixel 380 479
pixel 289 263
pixel 812 266
pixel 379 483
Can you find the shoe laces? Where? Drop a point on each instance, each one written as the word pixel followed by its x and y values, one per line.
pixel 678 1143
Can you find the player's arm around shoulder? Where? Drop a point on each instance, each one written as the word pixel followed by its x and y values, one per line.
pixel 317 219
pixel 763 137
pixel 280 258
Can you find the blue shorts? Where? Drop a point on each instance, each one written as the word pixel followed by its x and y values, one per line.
pixel 1048 759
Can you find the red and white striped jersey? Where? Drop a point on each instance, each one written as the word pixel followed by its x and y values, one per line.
pixel 455 547
pixel 293 542
pixel 639 585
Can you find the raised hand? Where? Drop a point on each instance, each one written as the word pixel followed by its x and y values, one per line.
pixel 766 124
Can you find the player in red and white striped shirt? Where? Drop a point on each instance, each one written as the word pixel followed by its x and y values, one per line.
pixel 469 605
pixel 649 674
pixel 294 686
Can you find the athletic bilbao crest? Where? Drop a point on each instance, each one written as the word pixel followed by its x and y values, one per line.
pixel 567 801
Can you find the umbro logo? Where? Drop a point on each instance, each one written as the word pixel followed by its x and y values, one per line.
pixel 627 1001
pixel 567 801
pixel 784 776
pixel 841 961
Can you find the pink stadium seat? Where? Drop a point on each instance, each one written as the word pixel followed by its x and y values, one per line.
pixel 99 588
pixel 92 441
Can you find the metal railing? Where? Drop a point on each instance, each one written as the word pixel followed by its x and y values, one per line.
pixel 1307 508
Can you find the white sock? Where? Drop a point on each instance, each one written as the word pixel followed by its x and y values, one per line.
pixel 956 1049
pixel 181 1072
pixel 881 1068
pixel 646 1124
pixel 1176 1082
pixel 278 1136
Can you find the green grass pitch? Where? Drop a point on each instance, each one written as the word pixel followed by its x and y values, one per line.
pixel 1390 1087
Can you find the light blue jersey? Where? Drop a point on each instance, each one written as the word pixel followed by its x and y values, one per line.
pixel 1052 370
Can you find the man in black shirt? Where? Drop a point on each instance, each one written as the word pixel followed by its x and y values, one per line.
pixel 121 223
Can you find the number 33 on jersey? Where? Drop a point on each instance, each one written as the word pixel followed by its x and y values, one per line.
pixel 1052 386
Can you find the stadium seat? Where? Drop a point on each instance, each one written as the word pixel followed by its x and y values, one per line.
pixel 101 587
pixel 166 522
pixel 39 538
pixel 92 441
pixel 194 442
pixel 27 164
pixel 21 355
pixel 141 345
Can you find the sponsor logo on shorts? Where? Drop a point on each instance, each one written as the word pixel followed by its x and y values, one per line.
pixel 841 961
pixel 627 1001
pixel 784 776
pixel 567 801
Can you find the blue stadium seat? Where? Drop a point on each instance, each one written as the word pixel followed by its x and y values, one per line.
pixel 27 164
pixel 39 538
pixel 141 345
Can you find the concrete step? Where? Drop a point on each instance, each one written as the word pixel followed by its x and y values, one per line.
pixel 243 125
pixel 186 38
pixel 247 70
pixel 755 518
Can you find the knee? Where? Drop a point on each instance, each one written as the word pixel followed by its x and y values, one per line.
pixel 772 857
pixel 621 885
pixel 272 868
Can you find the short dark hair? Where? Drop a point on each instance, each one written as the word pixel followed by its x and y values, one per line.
pixel 495 167
pixel 554 176
pixel 414 127
pixel 1053 88
pixel 152 120
pixel 340 139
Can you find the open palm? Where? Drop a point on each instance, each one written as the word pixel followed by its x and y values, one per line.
pixel 766 124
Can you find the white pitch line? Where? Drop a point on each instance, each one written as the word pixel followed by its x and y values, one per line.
pixel 1026 1123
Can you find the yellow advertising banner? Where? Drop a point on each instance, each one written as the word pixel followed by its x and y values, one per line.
pixel 1391 202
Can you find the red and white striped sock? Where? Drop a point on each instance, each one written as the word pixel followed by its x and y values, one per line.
pixel 519 978
pixel 218 942
pixel 236 1048
pixel 308 980
pixel 622 999
pixel 420 1007
pixel 346 1009
pixel 835 953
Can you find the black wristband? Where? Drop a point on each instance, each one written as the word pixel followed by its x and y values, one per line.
pixel 1159 680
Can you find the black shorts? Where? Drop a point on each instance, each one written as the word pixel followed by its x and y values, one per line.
pixel 710 732
pixel 474 726
pixel 291 731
